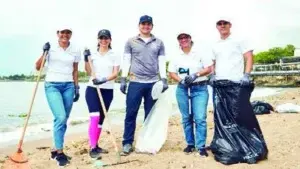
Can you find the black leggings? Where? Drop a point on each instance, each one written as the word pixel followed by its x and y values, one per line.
pixel 93 102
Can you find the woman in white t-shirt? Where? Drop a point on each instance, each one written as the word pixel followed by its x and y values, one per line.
pixel 61 86
pixel 106 67
pixel 189 68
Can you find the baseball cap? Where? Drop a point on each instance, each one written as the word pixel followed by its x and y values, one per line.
pixel 63 28
pixel 224 19
pixel 105 33
pixel 146 18
pixel 183 32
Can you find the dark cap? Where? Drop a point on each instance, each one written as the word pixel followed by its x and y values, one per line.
pixel 146 18
pixel 105 33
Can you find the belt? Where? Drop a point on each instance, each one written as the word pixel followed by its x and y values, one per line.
pixel 204 82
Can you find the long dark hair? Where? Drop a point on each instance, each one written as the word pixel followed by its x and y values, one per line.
pixel 109 46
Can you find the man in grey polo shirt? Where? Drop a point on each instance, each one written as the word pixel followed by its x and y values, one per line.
pixel 144 58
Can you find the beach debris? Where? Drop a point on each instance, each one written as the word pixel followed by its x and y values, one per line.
pixel 288 108
pixel 98 164
pixel 76 122
pixel 45 129
pixel 82 151
pixel 260 107
pixel 43 148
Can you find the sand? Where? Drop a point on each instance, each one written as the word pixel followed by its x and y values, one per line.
pixel 281 132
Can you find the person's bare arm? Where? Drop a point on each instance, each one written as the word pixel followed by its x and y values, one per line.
pixel 75 73
pixel 249 61
pixel 38 63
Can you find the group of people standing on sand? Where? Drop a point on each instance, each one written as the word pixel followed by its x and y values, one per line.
pixel 144 61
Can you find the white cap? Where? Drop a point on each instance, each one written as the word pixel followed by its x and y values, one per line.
pixel 227 19
pixel 63 28
pixel 184 31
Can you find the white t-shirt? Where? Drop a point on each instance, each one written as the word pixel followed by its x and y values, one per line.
pixel 229 58
pixel 146 40
pixel 194 61
pixel 103 66
pixel 59 63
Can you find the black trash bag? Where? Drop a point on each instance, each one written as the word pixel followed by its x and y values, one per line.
pixel 237 136
pixel 260 107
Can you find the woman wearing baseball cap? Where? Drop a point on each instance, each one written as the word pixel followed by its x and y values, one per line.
pixel 189 68
pixel 61 86
pixel 105 65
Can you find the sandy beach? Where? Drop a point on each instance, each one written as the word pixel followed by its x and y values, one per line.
pixel 281 132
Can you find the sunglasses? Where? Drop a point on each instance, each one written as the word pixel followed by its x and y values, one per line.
pixel 146 23
pixel 103 38
pixel 65 32
pixel 222 23
pixel 183 37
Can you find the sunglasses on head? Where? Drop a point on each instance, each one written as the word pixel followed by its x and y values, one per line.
pixel 222 23
pixel 103 38
pixel 65 32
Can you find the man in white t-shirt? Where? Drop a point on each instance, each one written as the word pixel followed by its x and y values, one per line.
pixel 230 54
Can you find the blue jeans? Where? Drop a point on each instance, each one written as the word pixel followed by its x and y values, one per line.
pixel 199 100
pixel 60 99
pixel 136 91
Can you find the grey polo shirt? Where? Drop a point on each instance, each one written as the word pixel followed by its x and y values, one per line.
pixel 144 58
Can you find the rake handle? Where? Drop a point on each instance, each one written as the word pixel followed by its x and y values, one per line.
pixel 32 101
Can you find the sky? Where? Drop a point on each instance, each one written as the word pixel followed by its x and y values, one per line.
pixel 27 25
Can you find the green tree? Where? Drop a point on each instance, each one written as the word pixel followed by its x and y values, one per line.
pixel 273 55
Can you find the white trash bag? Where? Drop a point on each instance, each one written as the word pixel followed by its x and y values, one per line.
pixel 153 133
pixel 288 108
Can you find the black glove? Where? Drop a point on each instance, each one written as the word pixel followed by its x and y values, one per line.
pixel 86 54
pixel 99 81
pixel 123 86
pixel 165 84
pixel 46 47
pixel 190 79
pixel 76 94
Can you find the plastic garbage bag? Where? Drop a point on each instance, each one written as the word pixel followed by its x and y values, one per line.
pixel 237 136
pixel 260 107
pixel 288 108
pixel 153 133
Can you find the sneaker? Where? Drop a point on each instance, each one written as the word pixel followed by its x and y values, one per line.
pixel 54 154
pixel 203 153
pixel 189 149
pixel 127 149
pixel 62 159
pixel 94 153
pixel 101 150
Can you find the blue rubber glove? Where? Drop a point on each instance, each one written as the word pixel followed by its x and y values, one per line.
pixel 123 86
pixel 86 54
pixel 245 79
pixel 76 94
pixel 99 81
pixel 190 79
pixel 165 84
pixel 46 47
